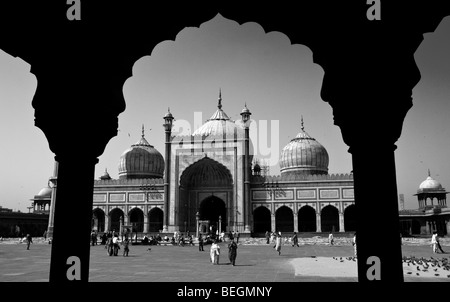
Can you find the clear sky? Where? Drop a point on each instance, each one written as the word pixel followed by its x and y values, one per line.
pixel 278 81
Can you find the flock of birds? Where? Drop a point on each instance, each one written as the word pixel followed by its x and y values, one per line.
pixel 421 264
pixel 427 265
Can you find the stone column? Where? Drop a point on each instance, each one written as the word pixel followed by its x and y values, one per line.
pixel 51 216
pixel 168 119
pixel 273 222
pixel 296 222
pixel 341 222
pixel 369 86
pixel 318 223
pixel 125 221
pixel 78 99
pixel 145 223
pixel 107 226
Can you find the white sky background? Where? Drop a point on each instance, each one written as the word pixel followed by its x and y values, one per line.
pixel 278 81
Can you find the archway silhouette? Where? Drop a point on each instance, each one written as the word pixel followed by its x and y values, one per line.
pixel 350 218
pixel 155 217
pixel 307 219
pixel 329 217
pixel 72 66
pixel 115 219
pixel 136 220
pixel 284 219
pixel 262 220
pixel 213 209
pixel 98 221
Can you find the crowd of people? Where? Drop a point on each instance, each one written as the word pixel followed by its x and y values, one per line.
pixel 113 243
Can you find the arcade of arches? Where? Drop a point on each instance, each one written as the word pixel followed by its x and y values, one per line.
pixel 304 221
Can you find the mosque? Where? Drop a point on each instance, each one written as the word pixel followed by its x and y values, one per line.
pixel 210 181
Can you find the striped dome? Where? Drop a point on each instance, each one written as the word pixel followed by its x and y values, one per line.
pixel 142 160
pixel 303 155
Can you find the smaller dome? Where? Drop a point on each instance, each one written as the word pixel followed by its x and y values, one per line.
pixel 45 192
pixel 430 184
pixel 105 176
pixel 245 110
pixel 168 114
pixel 142 160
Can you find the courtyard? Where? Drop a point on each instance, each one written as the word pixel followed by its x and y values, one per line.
pixel 313 261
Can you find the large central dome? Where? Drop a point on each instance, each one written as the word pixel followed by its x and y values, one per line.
pixel 219 124
pixel 142 160
pixel 303 155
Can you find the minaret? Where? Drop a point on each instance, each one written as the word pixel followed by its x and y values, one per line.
pixel 51 215
pixel 168 121
pixel 245 113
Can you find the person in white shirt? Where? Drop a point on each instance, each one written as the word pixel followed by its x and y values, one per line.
pixel 214 252
pixel 331 239
pixel 434 242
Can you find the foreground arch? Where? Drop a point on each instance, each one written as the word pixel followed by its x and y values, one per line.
pixel 366 76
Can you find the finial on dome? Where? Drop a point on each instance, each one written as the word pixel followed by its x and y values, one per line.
pixel 429 173
pixel 220 99
pixel 142 130
pixel 302 126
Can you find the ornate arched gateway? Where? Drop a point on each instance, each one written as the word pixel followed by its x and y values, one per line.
pixel 369 71
pixel 205 194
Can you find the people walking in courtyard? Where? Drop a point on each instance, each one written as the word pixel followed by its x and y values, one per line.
pixel 116 246
pixel 354 243
pixel 200 243
pixel 126 248
pixel 436 245
pixel 93 238
pixel 295 239
pixel 278 243
pixel 439 244
pixel 434 242
pixel 232 252
pixel 267 237
pixel 331 239
pixel 214 252
pixel 29 241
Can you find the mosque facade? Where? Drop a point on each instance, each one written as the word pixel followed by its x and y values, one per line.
pixel 210 181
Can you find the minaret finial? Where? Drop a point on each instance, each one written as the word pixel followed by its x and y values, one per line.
pixel 429 173
pixel 302 126
pixel 220 99
pixel 142 130
pixel 168 109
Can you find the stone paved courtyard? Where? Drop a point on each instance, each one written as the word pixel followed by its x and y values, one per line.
pixel 256 262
